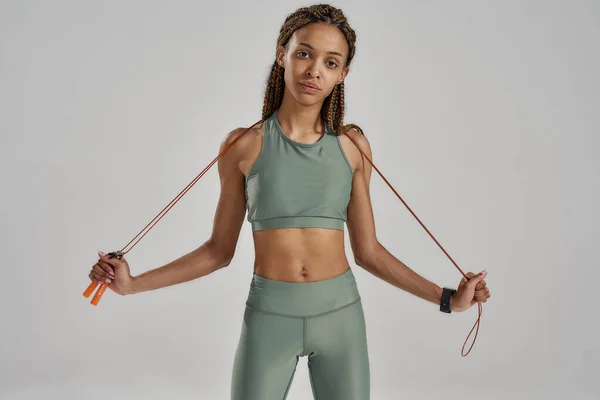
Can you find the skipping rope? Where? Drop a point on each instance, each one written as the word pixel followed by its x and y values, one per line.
pixel 120 253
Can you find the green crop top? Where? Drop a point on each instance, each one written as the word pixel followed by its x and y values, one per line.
pixel 298 185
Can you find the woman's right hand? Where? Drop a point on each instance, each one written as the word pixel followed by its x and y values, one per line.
pixel 114 272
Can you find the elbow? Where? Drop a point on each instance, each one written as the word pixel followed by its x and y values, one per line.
pixel 358 262
pixel 364 257
pixel 221 255
pixel 225 259
pixel 359 259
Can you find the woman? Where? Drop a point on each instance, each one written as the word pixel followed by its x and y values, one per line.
pixel 299 181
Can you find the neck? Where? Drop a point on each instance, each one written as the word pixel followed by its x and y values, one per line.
pixel 300 121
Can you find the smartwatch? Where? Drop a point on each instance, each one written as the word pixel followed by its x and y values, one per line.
pixel 445 301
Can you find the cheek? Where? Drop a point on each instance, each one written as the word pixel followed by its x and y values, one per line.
pixel 328 89
pixel 325 95
pixel 296 69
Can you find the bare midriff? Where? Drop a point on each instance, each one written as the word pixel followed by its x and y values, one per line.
pixel 299 254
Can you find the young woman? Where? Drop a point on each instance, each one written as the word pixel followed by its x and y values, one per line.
pixel 299 179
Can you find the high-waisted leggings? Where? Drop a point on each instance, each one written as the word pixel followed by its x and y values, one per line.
pixel 284 321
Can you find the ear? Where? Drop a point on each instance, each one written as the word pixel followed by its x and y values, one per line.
pixel 345 72
pixel 280 56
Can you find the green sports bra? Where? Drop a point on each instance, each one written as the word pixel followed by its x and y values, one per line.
pixel 298 185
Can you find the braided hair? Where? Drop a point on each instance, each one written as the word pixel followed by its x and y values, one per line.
pixel 332 110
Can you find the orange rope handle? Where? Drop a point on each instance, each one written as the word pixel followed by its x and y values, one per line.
pixel 92 286
pixel 103 286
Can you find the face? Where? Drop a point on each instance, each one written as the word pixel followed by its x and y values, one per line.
pixel 316 55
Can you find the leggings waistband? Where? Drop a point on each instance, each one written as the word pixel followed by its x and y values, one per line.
pixel 302 299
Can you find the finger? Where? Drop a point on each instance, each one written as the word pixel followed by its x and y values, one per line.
pixel 480 296
pixel 477 278
pixel 466 279
pixel 94 277
pixel 101 272
pixel 469 276
pixel 113 262
pixel 483 291
pixel 99 278
pixel 106 267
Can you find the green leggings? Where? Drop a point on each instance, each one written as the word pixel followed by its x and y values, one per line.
pixel 284 321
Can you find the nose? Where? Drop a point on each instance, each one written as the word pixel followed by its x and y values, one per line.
pixel 313 70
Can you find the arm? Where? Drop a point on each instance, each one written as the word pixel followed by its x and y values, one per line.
pixel 368 252
pixel 217 252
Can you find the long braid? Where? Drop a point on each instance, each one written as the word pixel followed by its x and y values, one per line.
pixel 333 107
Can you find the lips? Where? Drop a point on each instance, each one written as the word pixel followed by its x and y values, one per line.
pixel 310 85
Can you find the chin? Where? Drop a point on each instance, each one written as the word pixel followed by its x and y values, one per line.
pixel 306 100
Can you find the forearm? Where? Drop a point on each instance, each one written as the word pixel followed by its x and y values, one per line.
pixel 387 267
pixel 199 262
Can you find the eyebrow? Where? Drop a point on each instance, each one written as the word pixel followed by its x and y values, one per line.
pixel 329 52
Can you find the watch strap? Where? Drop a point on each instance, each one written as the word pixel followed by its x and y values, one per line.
pixel 445 301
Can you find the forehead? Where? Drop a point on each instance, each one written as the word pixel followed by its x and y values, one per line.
pixel 323 37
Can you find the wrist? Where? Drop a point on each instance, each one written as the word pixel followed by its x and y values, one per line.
pixel 446 303
pixel 132 288
pixel 452 301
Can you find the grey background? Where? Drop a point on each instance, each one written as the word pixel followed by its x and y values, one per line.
pixel 483 115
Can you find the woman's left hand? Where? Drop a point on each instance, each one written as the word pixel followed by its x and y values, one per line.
pixel 470 292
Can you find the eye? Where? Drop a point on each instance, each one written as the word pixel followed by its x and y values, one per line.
pixel 335 65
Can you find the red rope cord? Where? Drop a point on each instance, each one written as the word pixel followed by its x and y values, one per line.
pixel 150 225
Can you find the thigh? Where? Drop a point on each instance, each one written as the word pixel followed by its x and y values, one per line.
pixel 338 361
pixel 266 356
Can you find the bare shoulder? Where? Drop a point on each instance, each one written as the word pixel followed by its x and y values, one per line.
pixel 246 143
pixel 244 134
pixel 350 148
